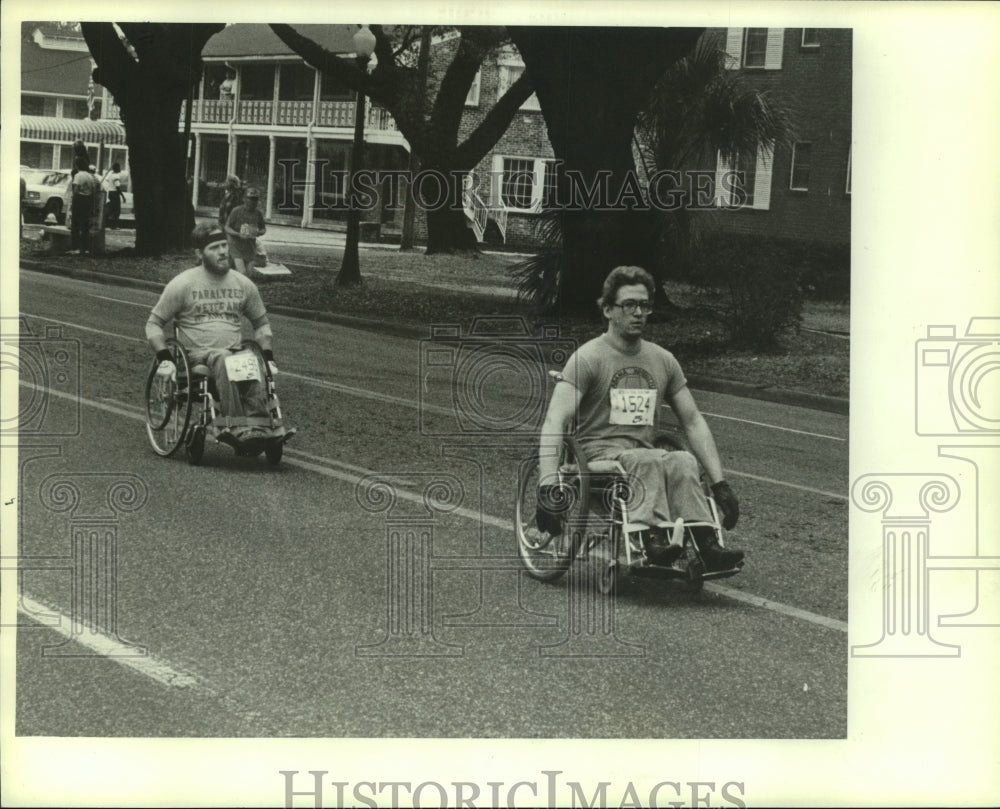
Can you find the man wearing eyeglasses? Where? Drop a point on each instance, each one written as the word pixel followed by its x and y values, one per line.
pixel 614 386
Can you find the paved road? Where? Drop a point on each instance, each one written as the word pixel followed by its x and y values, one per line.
pixel 268 602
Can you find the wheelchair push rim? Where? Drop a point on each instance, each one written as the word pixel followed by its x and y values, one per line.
pixel 169 404
pixel 545 556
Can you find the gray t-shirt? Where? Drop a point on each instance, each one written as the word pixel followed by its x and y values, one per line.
pixel 621 393
pixel 207 307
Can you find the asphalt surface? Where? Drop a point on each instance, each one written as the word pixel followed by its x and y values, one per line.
pixel 269 602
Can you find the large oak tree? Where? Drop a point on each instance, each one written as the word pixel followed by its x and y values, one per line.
pixel 591 84
pixel 150 79
pixel 431 129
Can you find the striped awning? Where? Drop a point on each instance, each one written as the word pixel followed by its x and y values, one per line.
pixel 67 130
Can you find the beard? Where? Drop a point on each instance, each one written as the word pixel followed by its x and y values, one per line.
pixel 218 266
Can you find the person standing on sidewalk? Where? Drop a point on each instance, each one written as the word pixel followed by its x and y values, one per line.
pixel 232 195
pixel 113 185
pixel 85 190
pixel 243 226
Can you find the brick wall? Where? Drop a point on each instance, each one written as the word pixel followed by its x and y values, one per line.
pixel 816 82
pixel 525 137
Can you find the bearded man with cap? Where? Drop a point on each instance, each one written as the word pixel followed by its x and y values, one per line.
pixel 244 225
pixel 206 304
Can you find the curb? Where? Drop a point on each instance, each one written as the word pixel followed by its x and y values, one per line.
pixel 812 401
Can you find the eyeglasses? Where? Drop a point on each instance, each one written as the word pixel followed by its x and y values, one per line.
pixel 631 307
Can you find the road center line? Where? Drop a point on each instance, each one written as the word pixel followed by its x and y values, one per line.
pixel 145 664
pixel 349 473
pixel 386 398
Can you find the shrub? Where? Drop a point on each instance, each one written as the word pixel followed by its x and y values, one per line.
pixel 756 292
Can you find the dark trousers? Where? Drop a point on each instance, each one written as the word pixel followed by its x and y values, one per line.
pixel 114 209
pixel 82 210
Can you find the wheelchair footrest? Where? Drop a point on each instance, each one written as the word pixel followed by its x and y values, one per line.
pixel 722 574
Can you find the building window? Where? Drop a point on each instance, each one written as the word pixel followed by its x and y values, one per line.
pixel 801 163
pixel 526 183
pixel 32 105
pixel 810 37
pixel 744 186
pixel 518 182
pixel 332 90
pixel 257 83
pixel 510 74
pixel 472 99
pixel 754 48
pixel 75 108
pixel 549 184
pixel 296 83
pixel 848 187
pixel 37 155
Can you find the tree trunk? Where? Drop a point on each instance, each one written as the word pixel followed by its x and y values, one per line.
pixel 591 84
pixel 448 228
pixel 164 217
pixel 448 232
pixel 149 81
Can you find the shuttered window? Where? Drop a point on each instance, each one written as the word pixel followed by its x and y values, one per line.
pixel 472 99
pixel 756 48
pixel 526 183
pixel 510 74
pixel 801 165
pixel 744 186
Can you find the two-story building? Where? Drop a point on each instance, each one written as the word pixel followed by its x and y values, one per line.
pixel 802 192
pixel 60 103
pixel 260 113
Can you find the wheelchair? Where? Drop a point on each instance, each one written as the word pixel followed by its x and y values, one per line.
pixel 185 411
pixel 597 530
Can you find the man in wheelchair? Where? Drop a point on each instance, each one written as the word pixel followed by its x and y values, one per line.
pixel 613 386
pixel 206 304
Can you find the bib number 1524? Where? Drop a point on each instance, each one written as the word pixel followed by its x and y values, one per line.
pixel 632 406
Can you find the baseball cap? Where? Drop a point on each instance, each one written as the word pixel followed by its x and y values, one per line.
pixel 204 235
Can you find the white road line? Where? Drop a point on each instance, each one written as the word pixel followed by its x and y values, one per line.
pixel 774 426
pixel 828 333
pixel 141 305
pixel 349 473
pixel 385 398
pixel 146 664
pixel 777 606
pixel 87 328
pixel 809 489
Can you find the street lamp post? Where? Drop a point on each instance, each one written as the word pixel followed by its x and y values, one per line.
pixel 350 269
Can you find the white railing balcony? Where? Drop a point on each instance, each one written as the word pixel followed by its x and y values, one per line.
pixel 213 111
pixel 294 113
pixel 335 113
pixel 255 112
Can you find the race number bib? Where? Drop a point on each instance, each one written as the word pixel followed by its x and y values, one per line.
pixel 633 406
pixel 242 367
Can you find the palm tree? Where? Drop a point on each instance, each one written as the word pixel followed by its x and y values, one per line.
pixel 699 109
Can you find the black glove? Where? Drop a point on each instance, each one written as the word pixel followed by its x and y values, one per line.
pixel 268 354
pixel 164 356
pixel 552 504
pixel 727 503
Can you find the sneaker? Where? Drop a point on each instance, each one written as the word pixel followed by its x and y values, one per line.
pixel 658 547
pixel 716 557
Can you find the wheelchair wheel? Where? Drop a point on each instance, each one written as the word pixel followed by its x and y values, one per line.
pixel 545 556
pixel 168 404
